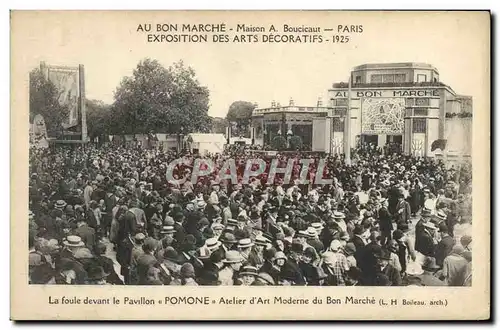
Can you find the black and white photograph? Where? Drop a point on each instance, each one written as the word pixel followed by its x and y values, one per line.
pixel 254 149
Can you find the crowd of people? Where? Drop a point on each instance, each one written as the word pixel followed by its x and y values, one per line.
pixel 108 215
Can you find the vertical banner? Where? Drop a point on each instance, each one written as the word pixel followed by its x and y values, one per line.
pixel 66 81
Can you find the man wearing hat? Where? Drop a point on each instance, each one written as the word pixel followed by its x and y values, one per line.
pixel 228 243
pixel 87 233
pixel 385 221
pixel 445 245
pixel 256 256
pixel 291 272
pixel 403 210
pixel 425 240
pixel 136 252
pixel 428 277
pixel 385 268
pixel 229 273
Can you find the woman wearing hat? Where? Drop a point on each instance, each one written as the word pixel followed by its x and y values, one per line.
pixel 187 275
pixel 247 275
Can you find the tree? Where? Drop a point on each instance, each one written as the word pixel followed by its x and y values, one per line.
pixel 278 143
pixel 98 118
pixel 240 113
pixel 43 100
pixel 219 125
pixel 295 142
pixel 158 99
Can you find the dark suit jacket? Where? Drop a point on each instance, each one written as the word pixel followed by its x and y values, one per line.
pixel 292 272
pixel 443 249
pixel 180 233
pixel 425 244
pixel 87 234
pixel 144 262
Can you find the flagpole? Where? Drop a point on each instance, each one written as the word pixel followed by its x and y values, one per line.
pixel 347 126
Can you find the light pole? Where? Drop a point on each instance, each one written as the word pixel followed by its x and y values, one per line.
pixel 347 126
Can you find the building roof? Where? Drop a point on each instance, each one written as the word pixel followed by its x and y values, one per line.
pixel 206 137
pixel 381 66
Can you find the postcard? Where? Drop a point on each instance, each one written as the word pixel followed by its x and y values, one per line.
pixel 339 157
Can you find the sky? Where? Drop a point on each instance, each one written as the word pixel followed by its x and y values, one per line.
pixel 109 47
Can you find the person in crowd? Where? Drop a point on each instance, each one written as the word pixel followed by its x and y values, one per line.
pixel 120 220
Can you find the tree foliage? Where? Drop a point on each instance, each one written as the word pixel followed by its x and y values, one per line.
pixel 43 100
pixel 278 143
pixel 98 118
pixel 240 114
pixel 159 99
pixel 219 125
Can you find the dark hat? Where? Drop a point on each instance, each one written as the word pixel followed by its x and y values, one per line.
pixel 228 238
pixel 269 253
pixel 397 234
pixel 383 254
pixel 430 264
pixel 210 278
pixel 170 254
pixel 297 247
pixel 465 240
pixel 96 272
pixel 187 270
pixel 350 249
pixel 309 252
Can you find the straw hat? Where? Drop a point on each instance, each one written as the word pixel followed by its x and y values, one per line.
pixel 232 257
pixel 414 269
pixel 73 241
pixel 167 230
pixel 245 243
pixel 212 243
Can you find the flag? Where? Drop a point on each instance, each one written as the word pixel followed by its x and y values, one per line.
pixel 438 144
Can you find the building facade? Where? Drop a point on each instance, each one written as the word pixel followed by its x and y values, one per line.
pixel 285 120
pixel 400 103
pixel 404 105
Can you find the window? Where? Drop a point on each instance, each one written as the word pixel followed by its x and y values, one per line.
pixel 388 78
pixel 399 78
pixel 341 102
pixel 410 102
pixel 421 78
pixel 419 125
pixel 358 79
pixel 422 102
pixel 420 112
pixel 338 125
pixel 340 112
